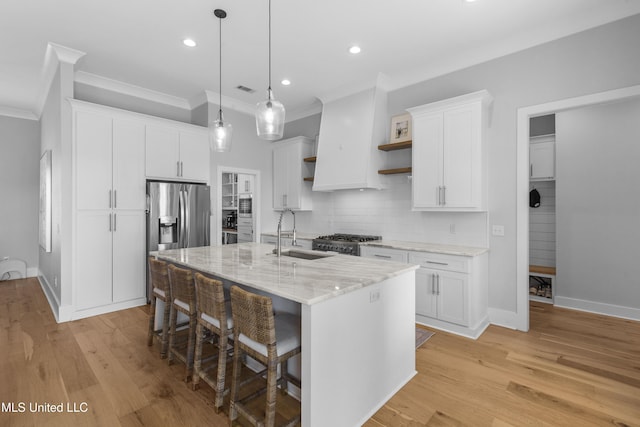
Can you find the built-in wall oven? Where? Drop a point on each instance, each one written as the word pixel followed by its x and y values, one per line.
pixel 245 205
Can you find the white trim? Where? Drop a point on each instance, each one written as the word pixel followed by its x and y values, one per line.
pixel 17 113
pixel 467 332
pixel 504 318
pixel 598 308
pixel 117 86
pixel 522 185
pixel 110 308
pixel 54 55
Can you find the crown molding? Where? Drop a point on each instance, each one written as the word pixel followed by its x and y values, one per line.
pixel 132 90
pixel 211 97
pixel 300 113
pixel 17 113
pixel 54 55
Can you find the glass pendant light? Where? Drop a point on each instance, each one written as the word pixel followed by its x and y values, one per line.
pixel 270 113
pixel 220 132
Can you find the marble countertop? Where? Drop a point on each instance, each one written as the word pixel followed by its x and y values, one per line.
pixel 304 281
pixel 427 247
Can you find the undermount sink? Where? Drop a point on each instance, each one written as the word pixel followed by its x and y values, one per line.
pixel 303 255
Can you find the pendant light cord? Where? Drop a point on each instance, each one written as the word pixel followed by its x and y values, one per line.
pixel 269 48
pixel 220 73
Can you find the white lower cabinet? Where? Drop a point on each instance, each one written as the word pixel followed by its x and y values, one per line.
pixel 109 265
pixel 442 295
pixel 452 292
pixel 383 253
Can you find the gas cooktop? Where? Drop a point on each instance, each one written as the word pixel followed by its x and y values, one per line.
pixel 342 243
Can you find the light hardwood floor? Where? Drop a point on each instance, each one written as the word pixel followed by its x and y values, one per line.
pixel 571 369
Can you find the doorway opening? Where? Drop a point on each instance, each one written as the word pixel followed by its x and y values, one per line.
pixel 522 183
pixel 237 205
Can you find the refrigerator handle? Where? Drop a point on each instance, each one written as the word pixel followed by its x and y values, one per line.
pixel 187 219
pixel 181 222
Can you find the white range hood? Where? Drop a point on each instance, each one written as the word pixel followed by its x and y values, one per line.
pixel 351 128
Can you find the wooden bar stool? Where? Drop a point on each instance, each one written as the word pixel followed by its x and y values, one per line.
pixel 269 339
pixel 160 291
pixel 183 299
pixel 214 315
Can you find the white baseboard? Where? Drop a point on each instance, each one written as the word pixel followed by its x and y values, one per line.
pixel 81 314
pixel 467 332
pixel 50 295
pixel 504 318
pixel 598 308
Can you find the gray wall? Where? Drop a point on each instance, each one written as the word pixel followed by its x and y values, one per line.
pixel 598 204
pixel 593 61
pixel 19 190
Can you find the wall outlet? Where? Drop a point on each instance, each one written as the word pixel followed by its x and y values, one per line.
pixel 374 295
pixel 498 230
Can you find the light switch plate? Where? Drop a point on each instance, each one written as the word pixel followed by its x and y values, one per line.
pixel 498 230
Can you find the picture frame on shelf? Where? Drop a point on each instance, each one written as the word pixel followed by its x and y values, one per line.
pixel 400 128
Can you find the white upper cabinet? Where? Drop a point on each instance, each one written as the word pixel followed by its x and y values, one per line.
pixel 448 168
pixel 246 183
pixel 175 152
pixel 289 189
pixel 542 158
pixel 109 162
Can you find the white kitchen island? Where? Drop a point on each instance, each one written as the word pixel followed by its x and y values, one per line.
pixel 358 322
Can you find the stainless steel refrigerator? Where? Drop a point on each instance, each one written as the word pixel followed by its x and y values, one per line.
pixel 178 216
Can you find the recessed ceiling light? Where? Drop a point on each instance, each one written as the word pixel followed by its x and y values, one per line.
pixel 189 42
pixel 354 49
pixel 286 82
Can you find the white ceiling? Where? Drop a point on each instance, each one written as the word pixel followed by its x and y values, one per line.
pixel 136 45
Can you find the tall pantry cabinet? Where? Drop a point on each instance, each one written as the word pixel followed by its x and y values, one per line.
pixel 109 208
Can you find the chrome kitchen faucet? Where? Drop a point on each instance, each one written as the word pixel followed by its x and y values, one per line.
pixel 293 242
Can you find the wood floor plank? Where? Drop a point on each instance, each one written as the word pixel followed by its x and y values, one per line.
pixel 125 397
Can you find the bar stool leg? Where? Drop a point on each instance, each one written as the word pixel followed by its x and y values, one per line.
pixel 190 348
pixel 152 316
pixel 165 330
pixel 237 367
pixel 172 334
pixel 222 367
pixel 272 388
pixel 197 358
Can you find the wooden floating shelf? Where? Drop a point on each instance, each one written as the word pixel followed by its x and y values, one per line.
pixel 308 178
pixel 395 146
pixel 310 159
pixel 394 171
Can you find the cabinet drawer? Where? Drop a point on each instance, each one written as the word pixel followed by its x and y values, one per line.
pixel 440 261
pixel 383 253
pixel 245 221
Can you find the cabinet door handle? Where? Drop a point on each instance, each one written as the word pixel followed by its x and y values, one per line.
pixel 181 169
pixel 110 199
pixel 433 284
pixel 114 222
pixel 110 223
pixel 530 169
pixel 284 200
pixel 115 199
pixel 382 256
pixel 444 195
pixel 438 288
pixel 436 262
